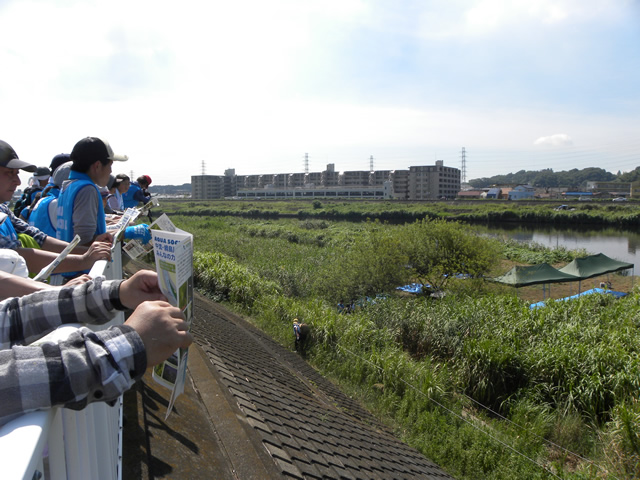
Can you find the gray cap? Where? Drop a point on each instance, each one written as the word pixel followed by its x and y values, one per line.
pixel 61 174
pixel 9 158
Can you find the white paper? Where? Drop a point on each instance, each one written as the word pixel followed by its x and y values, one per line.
pixel 174 265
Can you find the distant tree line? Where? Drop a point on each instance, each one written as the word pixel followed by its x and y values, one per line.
pixel 547 178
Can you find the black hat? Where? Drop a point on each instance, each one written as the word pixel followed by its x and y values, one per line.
pixel 9 158
pixel 92 149
pixel 59 160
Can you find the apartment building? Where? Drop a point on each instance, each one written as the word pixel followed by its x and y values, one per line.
pixel 430 182
pixel 433 182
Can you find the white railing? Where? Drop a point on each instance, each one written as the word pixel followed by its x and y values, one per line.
pixel 59 443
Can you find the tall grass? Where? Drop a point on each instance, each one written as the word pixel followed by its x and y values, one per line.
pixel 567 373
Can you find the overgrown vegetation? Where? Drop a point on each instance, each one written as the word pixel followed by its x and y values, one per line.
pixel 602 213
pixel 468 379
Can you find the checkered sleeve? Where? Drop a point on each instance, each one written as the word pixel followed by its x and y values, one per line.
pixel 21 227
pixel 86 367
pixel 25 319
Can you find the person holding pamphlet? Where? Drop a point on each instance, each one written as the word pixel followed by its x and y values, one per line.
pixel 88 366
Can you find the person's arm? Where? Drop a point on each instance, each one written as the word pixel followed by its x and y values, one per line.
pixel 85 214
pixel 16 286
pixel 139 196
pixel 25 319
pixel 54 245
pixel 112 201
pixel 38 259
pixel 85 368
pixel 90 366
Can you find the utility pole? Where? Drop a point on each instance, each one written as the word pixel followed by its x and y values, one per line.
pixel 464 165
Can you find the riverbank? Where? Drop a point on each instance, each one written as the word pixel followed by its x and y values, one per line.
pixel 603 214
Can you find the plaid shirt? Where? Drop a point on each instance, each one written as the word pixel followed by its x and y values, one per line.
pixel 21 227
pixel 86 367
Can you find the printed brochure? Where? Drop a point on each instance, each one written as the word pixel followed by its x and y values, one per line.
pixel 174 263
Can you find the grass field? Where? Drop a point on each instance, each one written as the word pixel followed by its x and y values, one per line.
pixel 480 383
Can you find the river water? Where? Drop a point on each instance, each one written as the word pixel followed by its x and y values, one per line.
pixel 617 244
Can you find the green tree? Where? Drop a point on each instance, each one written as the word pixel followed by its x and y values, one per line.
pixel 372 263
pixel 438 250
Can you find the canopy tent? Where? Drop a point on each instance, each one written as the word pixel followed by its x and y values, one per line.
pixel 593 266
pixel 522 276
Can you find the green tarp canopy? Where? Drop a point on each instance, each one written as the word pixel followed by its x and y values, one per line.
pixel 522 276
pixel 594 265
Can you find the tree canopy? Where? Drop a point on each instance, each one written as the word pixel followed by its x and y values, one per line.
pixel 575 179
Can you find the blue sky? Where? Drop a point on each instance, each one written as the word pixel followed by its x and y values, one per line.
pixel 254 85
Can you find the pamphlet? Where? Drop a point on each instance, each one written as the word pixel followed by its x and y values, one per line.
pixel 46 271
pixel 174 264
pixel 135 248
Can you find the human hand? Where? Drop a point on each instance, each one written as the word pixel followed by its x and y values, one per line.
pixel 97 251
pixel 104 237
pixel 141 287
pixel 139 232
pixel 162 329
pixel 84 278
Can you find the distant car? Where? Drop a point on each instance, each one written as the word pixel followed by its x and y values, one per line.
pixel 562 207
pixel 619 199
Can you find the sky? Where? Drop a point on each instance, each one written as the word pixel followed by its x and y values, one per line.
pixel 278 86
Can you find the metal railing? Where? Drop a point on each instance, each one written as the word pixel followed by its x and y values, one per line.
pixel 59 443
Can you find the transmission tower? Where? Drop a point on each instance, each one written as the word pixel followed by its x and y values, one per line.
pixel 203 168
pixel 371 163
pixel 464 165
pixel 306 163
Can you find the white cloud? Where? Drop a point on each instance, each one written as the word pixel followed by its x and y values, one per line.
pixel 557 140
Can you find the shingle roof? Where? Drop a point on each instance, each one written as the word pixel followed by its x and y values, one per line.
pixel 310 429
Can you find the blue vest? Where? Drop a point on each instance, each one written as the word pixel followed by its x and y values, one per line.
pixel 7 229
pixel 40 218
pixel 127 197
pixel 66 202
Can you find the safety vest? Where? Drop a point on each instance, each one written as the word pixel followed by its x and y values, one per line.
pixel 127 197
pixel 7 230
pixel 40 217
pixel 66 202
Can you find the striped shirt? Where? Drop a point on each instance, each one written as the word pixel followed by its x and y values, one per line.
pixel 86 367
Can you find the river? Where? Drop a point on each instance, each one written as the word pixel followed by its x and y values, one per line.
pixel 617 244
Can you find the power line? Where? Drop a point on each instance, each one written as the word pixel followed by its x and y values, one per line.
pixel 460 417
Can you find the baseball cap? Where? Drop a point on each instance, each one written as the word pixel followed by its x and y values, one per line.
pixel 42 173
pixel 9 158
pixel 59 160
pixel 91 149
pixel 61 173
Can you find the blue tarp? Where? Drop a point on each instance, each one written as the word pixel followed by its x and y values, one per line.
pixel 412 288
pixel 573 297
